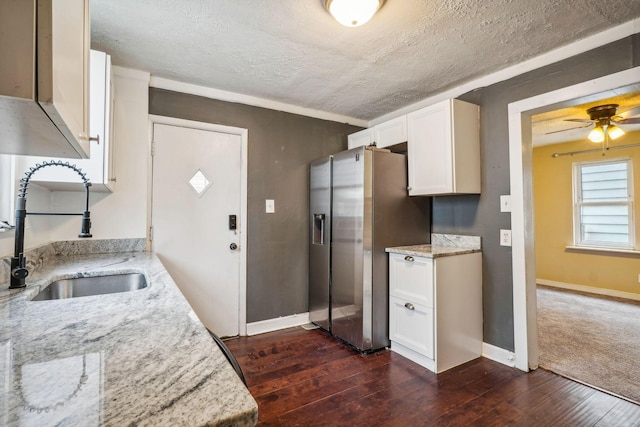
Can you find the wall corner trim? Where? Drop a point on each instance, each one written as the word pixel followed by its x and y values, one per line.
pixel 276 324
pixel 498 354
pixel 223 95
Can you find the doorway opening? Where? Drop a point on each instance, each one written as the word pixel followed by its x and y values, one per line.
pixel 520 156
pixel 586 257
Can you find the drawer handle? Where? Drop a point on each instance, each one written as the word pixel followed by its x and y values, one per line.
pixel 409 306
pixel 408 258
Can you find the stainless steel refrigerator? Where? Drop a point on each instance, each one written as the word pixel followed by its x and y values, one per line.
pixel 358 206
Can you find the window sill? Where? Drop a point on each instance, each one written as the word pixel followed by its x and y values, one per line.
pixel 600 249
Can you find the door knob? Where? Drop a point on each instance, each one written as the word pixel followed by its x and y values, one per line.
pixel 233 246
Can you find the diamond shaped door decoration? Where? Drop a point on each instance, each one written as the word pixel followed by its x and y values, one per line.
pixel 199 183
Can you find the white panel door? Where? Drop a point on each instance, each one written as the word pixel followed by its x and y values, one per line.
pixel 196 186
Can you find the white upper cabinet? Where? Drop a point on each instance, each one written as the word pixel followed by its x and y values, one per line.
pixel 362 138
pixel 98 167
pixel 391 132
pixel 444 149
pixel 44 77
pixel 384 135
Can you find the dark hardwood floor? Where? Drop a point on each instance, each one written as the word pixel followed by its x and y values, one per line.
pixel 307 378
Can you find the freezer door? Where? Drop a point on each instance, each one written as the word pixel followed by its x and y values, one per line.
pixel 350 312
pixel 319 241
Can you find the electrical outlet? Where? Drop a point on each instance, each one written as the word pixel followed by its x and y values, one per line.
pixel 505 237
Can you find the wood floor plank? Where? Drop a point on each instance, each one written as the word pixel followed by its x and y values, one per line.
pixel 307 378
pixel 624 413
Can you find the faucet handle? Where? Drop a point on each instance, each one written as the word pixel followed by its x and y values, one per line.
pixel 20 273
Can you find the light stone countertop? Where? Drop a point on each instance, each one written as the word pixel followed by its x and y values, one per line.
pixel 442 245
pixel 139 358
pixel 431 251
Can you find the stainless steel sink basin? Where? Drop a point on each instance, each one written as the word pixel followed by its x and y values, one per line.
pixel 94 285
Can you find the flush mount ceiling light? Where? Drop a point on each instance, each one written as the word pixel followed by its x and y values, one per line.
pixel 352 13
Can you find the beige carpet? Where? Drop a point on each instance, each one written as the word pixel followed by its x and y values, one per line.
pixel 592 339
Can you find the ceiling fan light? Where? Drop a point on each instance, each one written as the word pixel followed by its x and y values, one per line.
pixel 614 132
pixel 352 13
pixel 597 134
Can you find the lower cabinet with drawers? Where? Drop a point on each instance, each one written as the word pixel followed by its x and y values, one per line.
pixel 435 308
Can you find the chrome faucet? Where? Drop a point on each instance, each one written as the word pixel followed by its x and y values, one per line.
pixel 19 270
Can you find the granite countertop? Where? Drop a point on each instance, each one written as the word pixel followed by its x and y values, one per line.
pixel 442 245
pixel 139 358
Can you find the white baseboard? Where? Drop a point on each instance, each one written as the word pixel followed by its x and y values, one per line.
pixel 589 289
pixel 276 324
pixel 498 354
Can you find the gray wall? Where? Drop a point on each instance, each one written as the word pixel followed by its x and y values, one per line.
pixel 480 215
pixel 281 145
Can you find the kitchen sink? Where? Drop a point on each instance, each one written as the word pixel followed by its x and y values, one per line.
pixel 93 285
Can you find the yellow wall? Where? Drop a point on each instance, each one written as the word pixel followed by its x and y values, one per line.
pixel 553 215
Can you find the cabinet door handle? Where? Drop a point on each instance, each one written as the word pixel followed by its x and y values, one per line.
pixel 408 258
pixel 409 306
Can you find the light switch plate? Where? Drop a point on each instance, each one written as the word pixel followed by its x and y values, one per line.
pixel 270 206
pixel 505 237
pixel 505 203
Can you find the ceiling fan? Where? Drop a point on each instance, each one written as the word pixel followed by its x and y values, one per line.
pixel 606 122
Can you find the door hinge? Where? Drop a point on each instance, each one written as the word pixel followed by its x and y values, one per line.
pixel 153 149
pixel 151 232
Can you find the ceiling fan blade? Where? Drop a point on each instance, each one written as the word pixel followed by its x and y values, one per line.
pixel 633 121
pixel 579 120
pixel 564 130
pixel 629 113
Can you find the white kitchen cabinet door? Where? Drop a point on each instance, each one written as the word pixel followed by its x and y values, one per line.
pixel 363 138
pixel 391 132
pixel 98 166
pixel 444 149
pixel 411 325
pixel 63 66
pixel 44 82
pixel 411 278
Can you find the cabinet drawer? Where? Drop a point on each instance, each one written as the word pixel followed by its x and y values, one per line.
pixel 411 325
pixel 411 278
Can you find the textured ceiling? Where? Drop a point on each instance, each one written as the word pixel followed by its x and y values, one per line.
pixel 293 51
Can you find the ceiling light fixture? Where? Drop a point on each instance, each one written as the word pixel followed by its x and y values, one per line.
pixel 614 132
pixel 605 128
pixel 352 13
pixel 597 134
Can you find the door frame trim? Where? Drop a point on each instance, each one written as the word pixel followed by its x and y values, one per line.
pixel 243 220
pixel 522 225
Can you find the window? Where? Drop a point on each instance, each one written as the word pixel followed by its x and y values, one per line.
pixel 603 204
